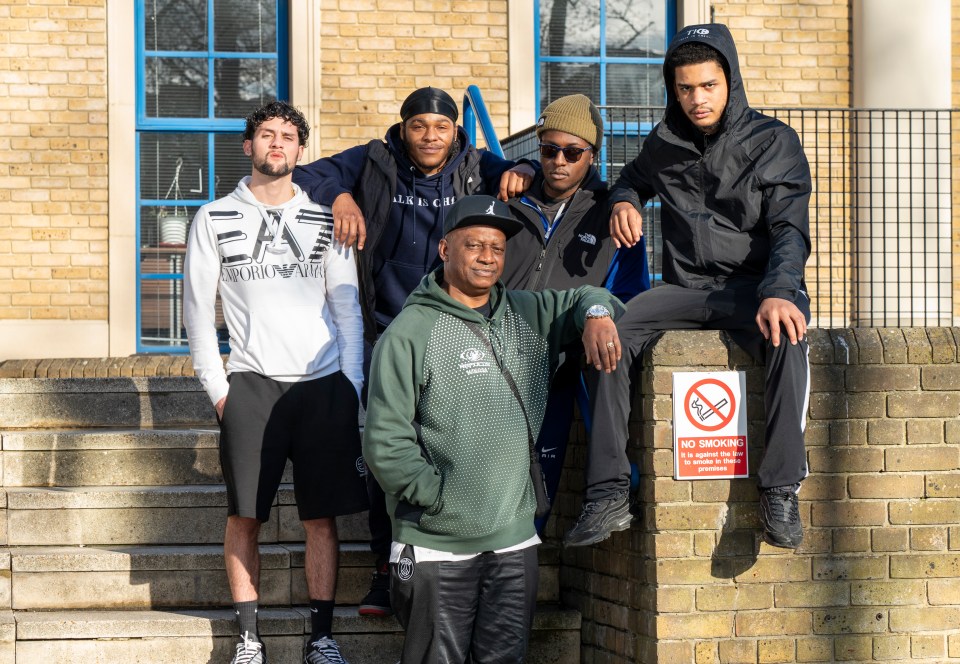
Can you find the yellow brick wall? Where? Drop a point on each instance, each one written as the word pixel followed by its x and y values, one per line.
pixel 53 160
pixel 792 52
pixel 877 577
pixel 375 52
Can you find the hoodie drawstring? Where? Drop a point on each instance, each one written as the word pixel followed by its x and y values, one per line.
pixel 413 208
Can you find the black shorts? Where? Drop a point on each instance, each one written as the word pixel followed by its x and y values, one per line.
pixel 314 424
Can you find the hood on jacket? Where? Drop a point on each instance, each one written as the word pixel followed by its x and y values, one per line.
pixel 399 152
pixel 243 193
pixel 718 37
pixel 430 293
pixel 275 224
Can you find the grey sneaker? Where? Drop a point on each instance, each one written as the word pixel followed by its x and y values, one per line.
pixel 249 651
pixel 780 513
pixel 598 519
pixel 323 651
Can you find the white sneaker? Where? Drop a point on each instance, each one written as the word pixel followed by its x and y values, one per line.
pixel 249 651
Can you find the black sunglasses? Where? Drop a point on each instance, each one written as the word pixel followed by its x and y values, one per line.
pixel 572 155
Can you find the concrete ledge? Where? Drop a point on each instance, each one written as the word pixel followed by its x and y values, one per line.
pixel 110 439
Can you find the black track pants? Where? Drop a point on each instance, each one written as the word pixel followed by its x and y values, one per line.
pixel 669 307
pixel 481 608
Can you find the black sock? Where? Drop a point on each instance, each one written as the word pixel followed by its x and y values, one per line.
pixel 246 613
pixel 321 618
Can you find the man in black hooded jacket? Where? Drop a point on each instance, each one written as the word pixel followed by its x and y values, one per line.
pixel 734 188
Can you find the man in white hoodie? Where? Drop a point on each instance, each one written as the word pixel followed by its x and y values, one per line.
pixel 292 382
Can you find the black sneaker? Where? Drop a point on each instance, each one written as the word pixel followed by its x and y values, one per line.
pixel 780 514
pixel 323 651
pixel 377 601
pixel 598 519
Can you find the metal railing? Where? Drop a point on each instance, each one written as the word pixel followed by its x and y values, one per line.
pixel 881 213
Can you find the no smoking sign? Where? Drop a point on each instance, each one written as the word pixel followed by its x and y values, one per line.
pixel 709 425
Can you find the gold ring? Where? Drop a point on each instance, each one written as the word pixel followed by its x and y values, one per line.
pixel 610 344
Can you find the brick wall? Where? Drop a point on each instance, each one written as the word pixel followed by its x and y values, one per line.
pixel 375 52
pixel 53 160
pixel 792 53
pixel 878 574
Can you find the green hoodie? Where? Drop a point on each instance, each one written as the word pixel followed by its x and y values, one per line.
pixel 444 434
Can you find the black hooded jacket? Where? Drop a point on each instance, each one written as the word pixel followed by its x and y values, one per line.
pixel 734 212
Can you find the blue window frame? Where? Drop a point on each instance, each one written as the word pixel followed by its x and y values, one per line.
pixel 201 67
pixel 610 50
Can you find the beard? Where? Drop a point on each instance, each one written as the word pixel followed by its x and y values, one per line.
pixel 273 170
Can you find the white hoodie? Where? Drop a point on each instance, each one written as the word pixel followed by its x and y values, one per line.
pixel 289 294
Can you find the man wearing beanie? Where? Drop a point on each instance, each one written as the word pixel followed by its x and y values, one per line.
pixel 458 388
pixel 565 243
pixel 734 189
pixel 391 196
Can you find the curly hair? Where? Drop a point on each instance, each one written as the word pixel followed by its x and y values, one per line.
pixel 277 109
pixel 695 53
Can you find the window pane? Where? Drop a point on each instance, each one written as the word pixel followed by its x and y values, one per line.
pixel 159 153
pixel 570 27
pixel 558 79
pixel 636 28
pixel 230 163
pixel 245 26
pixel 635 85
pixel 243 85
pixel 175 25
pixel 163 230
pixel 176 87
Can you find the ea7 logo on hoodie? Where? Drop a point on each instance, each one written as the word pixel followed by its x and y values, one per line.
pixel 274 244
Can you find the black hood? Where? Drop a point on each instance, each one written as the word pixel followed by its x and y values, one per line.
pixel 718 37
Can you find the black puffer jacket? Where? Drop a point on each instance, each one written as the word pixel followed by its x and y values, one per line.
pixel 734 211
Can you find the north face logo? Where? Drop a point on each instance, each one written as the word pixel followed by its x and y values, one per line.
pixel 587 238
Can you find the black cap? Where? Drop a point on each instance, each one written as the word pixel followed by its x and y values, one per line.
pixel 429 100
pixel 481 210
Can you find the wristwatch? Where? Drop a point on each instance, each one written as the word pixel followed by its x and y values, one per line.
pixel 598 311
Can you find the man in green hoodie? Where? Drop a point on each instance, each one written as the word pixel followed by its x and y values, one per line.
pixel 457 392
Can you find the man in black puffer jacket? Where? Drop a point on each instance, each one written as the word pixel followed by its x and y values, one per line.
pixel 734 187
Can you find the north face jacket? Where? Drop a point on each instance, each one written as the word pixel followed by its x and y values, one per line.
pixel 734 205
pixel 578 251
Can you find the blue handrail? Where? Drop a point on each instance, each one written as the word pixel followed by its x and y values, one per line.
pixel 474 110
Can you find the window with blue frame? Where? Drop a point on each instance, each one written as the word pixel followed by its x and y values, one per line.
pixel 202 67
pixel 610 50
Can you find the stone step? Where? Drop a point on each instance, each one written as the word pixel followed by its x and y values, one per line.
pixel 77 403
pixel 154 577
pixel 46 403
pixel 201 637
pixel 183 514
pixel 111 457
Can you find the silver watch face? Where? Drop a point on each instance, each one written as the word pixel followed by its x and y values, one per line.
pixel 597 311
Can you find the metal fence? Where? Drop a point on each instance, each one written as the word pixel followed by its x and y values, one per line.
pixel 881 212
